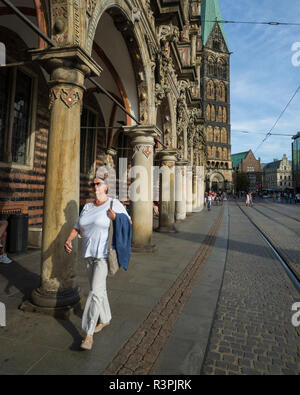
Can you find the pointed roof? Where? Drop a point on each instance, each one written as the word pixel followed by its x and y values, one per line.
pixel 210 12
pixel 237 158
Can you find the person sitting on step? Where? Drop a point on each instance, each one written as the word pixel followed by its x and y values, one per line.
pixel 3 235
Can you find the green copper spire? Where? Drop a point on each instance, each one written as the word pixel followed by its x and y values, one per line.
pixel 210 11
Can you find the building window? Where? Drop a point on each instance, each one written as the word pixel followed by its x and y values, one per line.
pixel 16 105
pixel 87 140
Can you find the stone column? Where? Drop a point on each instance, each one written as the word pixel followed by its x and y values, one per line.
pixel 199 192
pixel 201 188
pixel 180 190
pixel 189 190
pixel 141 189
pixel 195 189
pixel 58 292
pixel 167 191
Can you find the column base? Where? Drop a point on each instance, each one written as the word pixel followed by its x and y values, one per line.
pixel 180 218
pixel 62 313
pixel 151 248
pixel 166 229
pixel 56 304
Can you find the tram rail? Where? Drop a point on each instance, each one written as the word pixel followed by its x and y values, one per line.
pixel 276 221
pixel 279 212
pixel 288 267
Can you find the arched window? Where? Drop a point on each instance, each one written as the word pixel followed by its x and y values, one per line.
pixel 209 133
pixel 211 65
pixel 217 135
pixel 224 115
pixel 213 152
pixel 207 113
pixel 213 114
pixel 209 152
pixel 220 153
pixel 221 92
pixel 224 136
pixel 210 90
pixel 220 114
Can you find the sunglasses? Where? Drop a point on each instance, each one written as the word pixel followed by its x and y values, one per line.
pixel 96 183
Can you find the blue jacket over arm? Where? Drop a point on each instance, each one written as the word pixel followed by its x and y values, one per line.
pixel 122 239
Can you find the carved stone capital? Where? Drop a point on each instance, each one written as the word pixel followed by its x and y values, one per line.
pixel 70 96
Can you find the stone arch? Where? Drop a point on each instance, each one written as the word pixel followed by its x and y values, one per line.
pixel 122 14
pixel 217 181
pixel 41 21
pixel 225 153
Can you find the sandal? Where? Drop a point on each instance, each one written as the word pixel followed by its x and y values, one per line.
pixel 87 343
pixel 99 327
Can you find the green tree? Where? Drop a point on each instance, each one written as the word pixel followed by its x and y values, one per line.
pixel 242 182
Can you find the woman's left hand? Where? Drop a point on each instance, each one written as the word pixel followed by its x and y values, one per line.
pixel 111 214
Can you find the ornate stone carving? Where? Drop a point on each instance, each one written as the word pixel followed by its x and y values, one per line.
pixel 159 94
pixel 59 13
pixel 69 96
pixel 145 149
pixel 90 6
pixel 149 13
pixel 182 122
pixel 77 13
pixel 136 15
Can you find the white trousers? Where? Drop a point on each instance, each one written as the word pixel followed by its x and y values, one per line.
pixel 97 305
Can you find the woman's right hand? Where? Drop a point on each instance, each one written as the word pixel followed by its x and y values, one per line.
pixel 68 246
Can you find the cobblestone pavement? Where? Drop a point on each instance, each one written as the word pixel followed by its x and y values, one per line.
pixel 143 348
pixel 252 331
pixel 283 231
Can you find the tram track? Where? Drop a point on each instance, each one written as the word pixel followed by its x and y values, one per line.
pixel 276 221
pixel 276 211
pixel 288 266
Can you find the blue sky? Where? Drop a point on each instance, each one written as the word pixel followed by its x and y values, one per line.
pixel 263 77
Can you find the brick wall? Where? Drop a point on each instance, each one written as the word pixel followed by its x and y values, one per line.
pixel 18 184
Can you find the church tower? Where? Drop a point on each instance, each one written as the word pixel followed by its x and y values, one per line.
pixel 215 91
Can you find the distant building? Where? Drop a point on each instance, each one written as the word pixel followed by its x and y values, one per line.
pixel 215 87
pixel 296 162
pixel 278 174
pixel 245 162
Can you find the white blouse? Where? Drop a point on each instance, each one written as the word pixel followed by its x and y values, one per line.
pixel 93 226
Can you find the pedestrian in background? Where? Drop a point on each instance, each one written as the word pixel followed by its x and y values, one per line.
pixel 209 200
pixel 247 199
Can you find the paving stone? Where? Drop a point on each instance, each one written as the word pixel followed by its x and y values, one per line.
pixel 254 309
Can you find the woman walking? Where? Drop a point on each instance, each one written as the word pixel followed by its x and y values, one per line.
pixel 247 200
pixel 93 226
